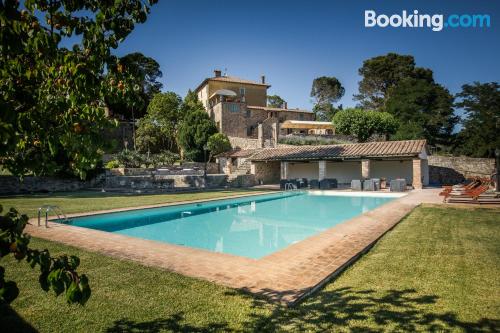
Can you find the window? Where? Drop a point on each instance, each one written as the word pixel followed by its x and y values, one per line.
pixel 233 107
pixel 242 92
pixel 301 116
pixel 250 130
pixel 249 113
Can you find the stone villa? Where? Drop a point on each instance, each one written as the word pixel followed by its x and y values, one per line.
pixel 239 109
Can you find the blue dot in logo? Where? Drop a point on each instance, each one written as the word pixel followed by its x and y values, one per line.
pixel 446 24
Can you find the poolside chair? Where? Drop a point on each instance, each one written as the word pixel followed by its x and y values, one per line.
pixel 461 188
pixel 486 198
pixel 469 194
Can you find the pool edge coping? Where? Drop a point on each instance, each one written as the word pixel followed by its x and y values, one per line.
pixel 273 276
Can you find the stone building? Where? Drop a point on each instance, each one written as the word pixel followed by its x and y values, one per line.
pixel 239 109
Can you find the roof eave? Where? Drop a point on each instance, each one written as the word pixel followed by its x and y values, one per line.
pixel 340 158
pixel 204 82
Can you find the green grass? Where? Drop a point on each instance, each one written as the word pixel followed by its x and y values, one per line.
pixel 79 202
pixel 436 271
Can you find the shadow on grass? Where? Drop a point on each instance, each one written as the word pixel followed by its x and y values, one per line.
pixel 174 323
pixel 344 309
pixel 12 322
pixel 353 310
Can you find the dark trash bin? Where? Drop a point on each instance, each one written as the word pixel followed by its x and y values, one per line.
pixel 314 183
pixel 328 183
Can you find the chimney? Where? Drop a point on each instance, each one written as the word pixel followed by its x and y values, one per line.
pixel 285 105
pixel 217 73
pixel 263 79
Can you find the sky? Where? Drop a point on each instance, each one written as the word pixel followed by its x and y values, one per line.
pixel 293 42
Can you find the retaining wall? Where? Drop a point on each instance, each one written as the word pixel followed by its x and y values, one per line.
pixel 30 184
pixel 454 170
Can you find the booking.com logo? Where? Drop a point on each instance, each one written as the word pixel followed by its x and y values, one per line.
pixel 437 21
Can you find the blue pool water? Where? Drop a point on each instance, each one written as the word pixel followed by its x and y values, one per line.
pixel 251 227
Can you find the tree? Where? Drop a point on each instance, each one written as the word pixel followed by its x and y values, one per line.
pixel 157 130
pixel 53 97
pixel 424 109
pixel 193 134
pixel 363 124
pixel 325 112
pixel 190 104
pixel 379 74
pixel 275 101
pixel 479 136
pixel 218 143
pixel 326 91
pixel 146 72
pixel 56 273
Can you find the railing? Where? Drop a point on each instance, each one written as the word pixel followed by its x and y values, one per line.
pixel 48 208
pixel 290 187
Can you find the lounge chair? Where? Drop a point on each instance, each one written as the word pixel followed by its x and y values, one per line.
pixel 474 182
pixel 469 194
pixel 486 198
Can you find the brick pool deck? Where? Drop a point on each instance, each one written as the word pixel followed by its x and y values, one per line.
pixel 285 276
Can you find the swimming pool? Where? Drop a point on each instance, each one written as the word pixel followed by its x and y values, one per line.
pixel 251 227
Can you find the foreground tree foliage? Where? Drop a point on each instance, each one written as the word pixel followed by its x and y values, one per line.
pixel 56 273
pixel 480 135
pixel 363 124
pixel 158 129
pixel 326 91
pixel 53 108
pixel 52 97
pixel 145 71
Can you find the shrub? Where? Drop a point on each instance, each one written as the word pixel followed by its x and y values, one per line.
pixel 112 164
pixel 130 159
pixel 364 123
pixel 165 158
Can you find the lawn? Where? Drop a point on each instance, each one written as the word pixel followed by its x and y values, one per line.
pixel 436 271
pixel 79 202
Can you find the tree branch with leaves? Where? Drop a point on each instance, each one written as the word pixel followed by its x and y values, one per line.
pixel 58 274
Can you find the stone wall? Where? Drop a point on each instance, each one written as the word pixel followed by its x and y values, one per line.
pixel 186 168
pixel 454 170
pixel 266 172
pixel 166 182
pixel 13 185
pixel 243 143
pixel 243 181
pixel 212 167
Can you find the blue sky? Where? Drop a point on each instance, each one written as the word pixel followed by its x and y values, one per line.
pixel 292 42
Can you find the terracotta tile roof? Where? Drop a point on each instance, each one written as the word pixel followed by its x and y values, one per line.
pixel 231 79
pixel 238 153
pixel 237 80
pixel 406 148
